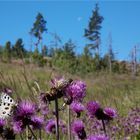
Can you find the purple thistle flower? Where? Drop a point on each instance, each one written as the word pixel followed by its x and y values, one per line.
pixel 110 112
pixel 37 122
pixel 18 127
pixel 97 137
pixel 63 126
pixel 50 126
pixel 77 108
pixel 137 121
pixel 7 90
pixel 44 109
pixel 78 129
pixel 57 81
pixel 76 90
pixel 2 122
pixel 92 107
pixel 42 98
pixel 26 108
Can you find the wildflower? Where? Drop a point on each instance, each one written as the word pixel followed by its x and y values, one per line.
pixel 77 108
pixel 50 127
pixel 18 127
pixel 44 109
pixel 8 134
pixel 58 82
pixel 37 122
pixel 78 129
pixel 76 90
pixel 110 112
pixel 2 124
pixel 92 108
pixel 42 98
pixel 97 137
pixel 7 90
pixel 26 108
pixel 63 126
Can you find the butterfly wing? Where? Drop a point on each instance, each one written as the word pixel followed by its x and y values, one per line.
pixel 6 105
pixel 5 110
pixel 6 99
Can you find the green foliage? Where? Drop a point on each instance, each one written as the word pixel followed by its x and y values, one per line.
pixel 38 58
pixel 138 136
pixel 65 57
pixel 18 49
pixel 45 51
pixel 39 27
pixel 7 51
pixel 92 33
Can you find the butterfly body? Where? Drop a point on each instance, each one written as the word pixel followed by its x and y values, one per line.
pixel 6 105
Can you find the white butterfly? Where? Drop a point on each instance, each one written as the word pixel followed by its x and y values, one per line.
pixel 6 105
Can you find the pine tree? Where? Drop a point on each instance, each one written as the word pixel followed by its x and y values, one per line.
pixel 92 33
pixel 7 51
pixel 39 27
pixel 110 53
pixel 45 51
pixel 18 49
pixel 1 52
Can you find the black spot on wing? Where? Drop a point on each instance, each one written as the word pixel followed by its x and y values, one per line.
pixel 6 108
pixel 4 112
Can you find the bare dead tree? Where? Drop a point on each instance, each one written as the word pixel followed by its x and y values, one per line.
pixel 134 61
pixel 110 52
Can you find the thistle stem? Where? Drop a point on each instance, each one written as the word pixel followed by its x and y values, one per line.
pixel 21 137
pixel 57 118
pixel 32 132
pixel 69 121
pixel 27 133
pixel 103 123
pixel 40 134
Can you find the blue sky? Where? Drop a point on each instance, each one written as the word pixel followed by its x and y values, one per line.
pixel 69 19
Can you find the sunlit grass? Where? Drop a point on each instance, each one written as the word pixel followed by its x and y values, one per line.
pixel 119 91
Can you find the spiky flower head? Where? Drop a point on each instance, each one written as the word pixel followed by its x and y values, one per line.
pixel 57 82
pixel 26 108
pixel 37 122
pixel 2 122
pixel 7 90
pixel 92 107
pixel 76 90
pixel 97 137
pixel 44 109
pixel 18 127
pixel 42 98
pixel 77 107
pixel 110 112
pixel 50 126
pixel 78 129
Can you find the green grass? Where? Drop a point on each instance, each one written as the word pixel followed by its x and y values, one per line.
pixel 119 91
pixel 115 90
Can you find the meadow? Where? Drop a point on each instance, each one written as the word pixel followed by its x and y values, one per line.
pixel 119 91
